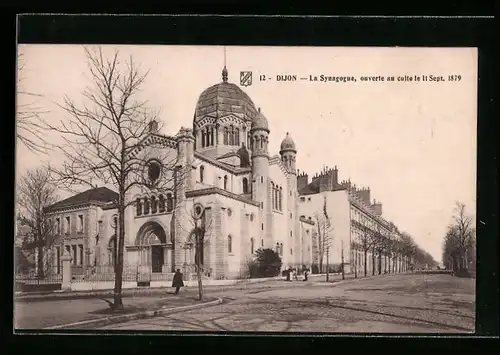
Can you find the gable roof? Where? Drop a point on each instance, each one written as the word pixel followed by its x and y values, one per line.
pixel 313 188
pixel 229 168
pixel 98 195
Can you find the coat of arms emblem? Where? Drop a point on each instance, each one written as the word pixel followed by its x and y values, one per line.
pixel 245 78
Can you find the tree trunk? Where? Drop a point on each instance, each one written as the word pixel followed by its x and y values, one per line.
pixel 379 262
pixel 40 266
pixel 373 262
pixel 342 260
pixel 355 264
pixel 200 282
pixel 327 264
pixel 199 245
pixel 366 260
pixel 117 301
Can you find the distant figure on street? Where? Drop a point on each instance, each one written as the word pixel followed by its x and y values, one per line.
pixel 288 272
pixel 306 272
pixel 177 282
pixel 295 275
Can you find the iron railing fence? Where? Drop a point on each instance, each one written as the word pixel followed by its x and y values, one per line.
pixel 38 278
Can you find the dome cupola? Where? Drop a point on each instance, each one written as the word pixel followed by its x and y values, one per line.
pixel 287 144
pixel 223 99
pixel 260 122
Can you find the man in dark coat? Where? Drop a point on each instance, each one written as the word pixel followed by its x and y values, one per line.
pixel 177 282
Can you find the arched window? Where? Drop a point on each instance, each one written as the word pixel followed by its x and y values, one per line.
pixel 236 136
pixel 202 169
pixel 212 141
pixel 229 244
pixel 249 140
pixel 225 182
pixel 146 205
pixel 245 185
pixel 170 203
pixel 252 246
pixel 280 199
pixel 231 136
pixel 161 200
pixel 262 141
pixel 281 249
pixel 276 192
pixel 226 136
pixel 154 204
pixel 138 206
pixel 273 194
pixel 203 139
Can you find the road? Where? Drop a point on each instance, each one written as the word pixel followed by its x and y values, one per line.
pixel 41 314
pixel 385 304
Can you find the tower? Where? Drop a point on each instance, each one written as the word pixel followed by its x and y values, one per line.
pixel 259 133
pixel 261 186
pixel 288 154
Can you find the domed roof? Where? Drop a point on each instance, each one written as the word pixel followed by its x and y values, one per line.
pixel 287 143
pixel 260 121
pixel 225 98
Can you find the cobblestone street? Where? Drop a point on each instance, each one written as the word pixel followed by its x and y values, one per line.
pixel 396 304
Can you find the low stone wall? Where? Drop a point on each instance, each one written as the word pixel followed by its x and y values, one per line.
pixel 100 285
pixel 109 285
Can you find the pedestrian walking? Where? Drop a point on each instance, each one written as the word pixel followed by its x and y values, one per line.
pixel 177 282
pixel 306 272
pixel 295 275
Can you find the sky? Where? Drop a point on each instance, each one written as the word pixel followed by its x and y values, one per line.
pixel 412 142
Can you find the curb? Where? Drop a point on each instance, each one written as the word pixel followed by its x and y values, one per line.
pixel 101 322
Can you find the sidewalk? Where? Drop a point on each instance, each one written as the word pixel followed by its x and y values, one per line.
pixel 131 292
pixel 43 314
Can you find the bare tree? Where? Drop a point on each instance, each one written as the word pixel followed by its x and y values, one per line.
pixel 408 250
pixel 29 124
pixel 105 141
pixel 382 245
pixel 366 243
pixel 324 235
pixel 197 222
pixel 35 193
pixel 459 240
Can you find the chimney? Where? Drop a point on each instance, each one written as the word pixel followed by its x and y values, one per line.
pixel 302 181
pixel 377 207
pixel 364 193
pixel 327 181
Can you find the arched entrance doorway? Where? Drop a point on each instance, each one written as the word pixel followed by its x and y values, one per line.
pixel 152 241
